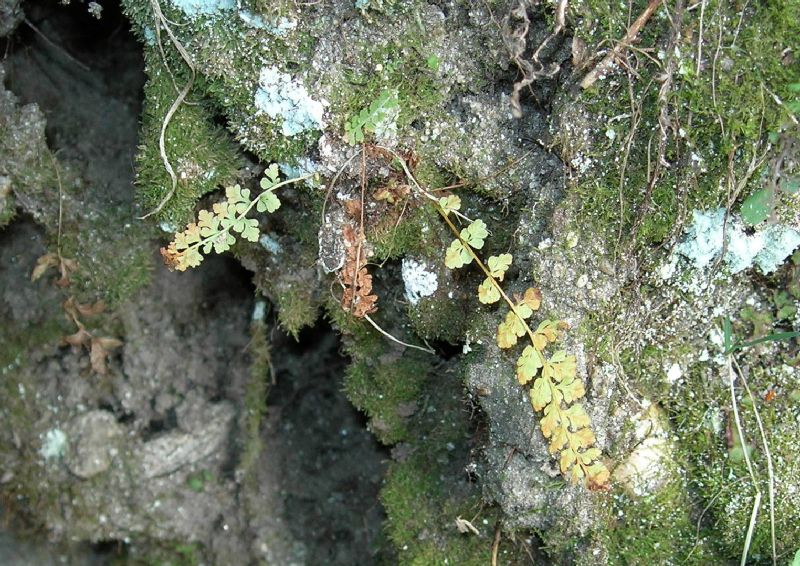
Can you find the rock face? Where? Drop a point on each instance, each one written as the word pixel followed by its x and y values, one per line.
pixel 211 436
pixel 11 15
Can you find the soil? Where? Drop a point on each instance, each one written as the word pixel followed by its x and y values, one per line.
pixel 182 374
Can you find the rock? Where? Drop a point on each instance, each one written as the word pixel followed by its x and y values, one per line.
pixel 170 452
pixel 11 15
pixel 647 467
pixel 94 442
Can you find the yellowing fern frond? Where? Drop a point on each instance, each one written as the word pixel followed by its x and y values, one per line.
pixel 554 386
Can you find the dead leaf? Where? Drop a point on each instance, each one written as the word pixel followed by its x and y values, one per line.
pixel 91 310
pixel 357 298
pixel 67 267
pixel 44 263
pixel 98 355
pixel 465 527
pixel 392 192
pixel 352 207
pixel 78 339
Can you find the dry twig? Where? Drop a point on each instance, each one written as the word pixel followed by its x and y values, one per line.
pixel 162 21
pixel 630 37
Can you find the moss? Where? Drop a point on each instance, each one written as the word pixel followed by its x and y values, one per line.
pixel 16 341
pixel 297 309
pixel 427 490
pixel 200 153
pixel 405 235
pixel 441 318
pixel 417 404
pixel 401 65
pixel 228 55
pixel 7 207
pixel 387 393
pixel 720 115
pixel 723 480
pixel 659 527
pixel 164 553
pixel 255 399
pixel 27 496
pixel 425 493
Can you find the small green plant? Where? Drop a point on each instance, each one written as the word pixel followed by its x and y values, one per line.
pixel 197 481
pixel 553 382
pixel 762 203
pixel 369 119
pixel 215 230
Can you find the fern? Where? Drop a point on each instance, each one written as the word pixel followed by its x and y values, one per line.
pixel 369 119
pixel 552 381
pixel 215 230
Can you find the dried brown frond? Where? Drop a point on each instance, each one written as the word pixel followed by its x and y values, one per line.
pixel 357 297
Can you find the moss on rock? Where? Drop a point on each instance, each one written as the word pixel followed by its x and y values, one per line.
pixel 200 153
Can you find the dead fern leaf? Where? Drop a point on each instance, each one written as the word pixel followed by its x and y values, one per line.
pixel 357 298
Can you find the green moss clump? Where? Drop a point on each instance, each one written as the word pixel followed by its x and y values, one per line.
pixel 427 489
pixel 658 528
pixel 201 154
pixel 439 317
pixel 228 55
pixel 164 553
pixel 27 497
pixel 255 399
pixel 27 168
pixel 7 203
pixel 718 472
pixel 410 235
pixel 720 109
pixel 297 309
pixel 388 393
pixel 403 66
pixel 422 518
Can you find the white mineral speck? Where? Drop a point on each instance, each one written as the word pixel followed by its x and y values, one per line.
pixel 419 282
pixel 54 445
pixel 674 373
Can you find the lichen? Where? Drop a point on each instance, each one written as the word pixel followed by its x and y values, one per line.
pixel 284 98
pixel 54 444
pixel 196 8
pixel 766 248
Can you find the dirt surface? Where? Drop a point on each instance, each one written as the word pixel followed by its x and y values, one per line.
pixel 154 449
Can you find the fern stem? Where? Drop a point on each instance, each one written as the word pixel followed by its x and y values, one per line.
pixel 457 234
pixel 486 271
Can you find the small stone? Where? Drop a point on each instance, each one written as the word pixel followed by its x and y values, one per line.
pixel 572 239
pixel 674 373
pixel 95 436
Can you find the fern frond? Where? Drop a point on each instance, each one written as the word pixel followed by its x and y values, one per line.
pixel 215 229
pixel 369 119
pixel 554 386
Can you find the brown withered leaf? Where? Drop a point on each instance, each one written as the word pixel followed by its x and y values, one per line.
pixel 357 298
pixel 99 351
pixel 392 193
pixel 44 263
pixel 77 310
pixel 171 255
pixel 66 267
pixel 80 338
pixel 52 260
pixel 352 207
